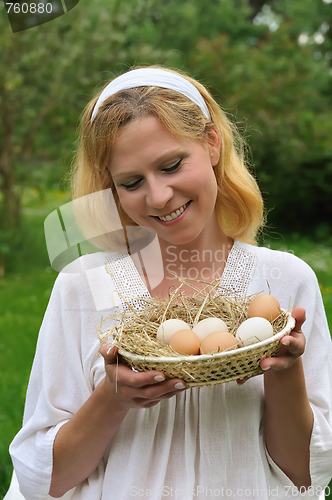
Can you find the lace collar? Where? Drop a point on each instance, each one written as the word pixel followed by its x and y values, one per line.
pixel 240 266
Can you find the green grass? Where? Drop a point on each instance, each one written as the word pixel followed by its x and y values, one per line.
pixel 24 293
pixel 23 300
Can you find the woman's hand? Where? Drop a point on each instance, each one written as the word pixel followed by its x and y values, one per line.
pixel 80 443
pixel 133 389
pixel 293 347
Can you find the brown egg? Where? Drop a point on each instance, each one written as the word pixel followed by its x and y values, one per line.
pixel 217 342
pixel 185 341
pixel 264 306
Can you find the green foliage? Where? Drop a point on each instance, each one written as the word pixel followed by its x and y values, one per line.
pixel 23 298
pixel 47 75
pixel 278 89
pixel 48 72
pixel 279 93
pixel 180 25
pixel 24 294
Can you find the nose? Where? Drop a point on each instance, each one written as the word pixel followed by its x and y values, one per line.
pixel 158 193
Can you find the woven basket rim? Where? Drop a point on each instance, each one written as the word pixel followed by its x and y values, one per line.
pixel 204 357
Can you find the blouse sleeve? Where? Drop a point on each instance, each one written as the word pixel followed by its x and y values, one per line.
pixel 64 374
pixel 317 364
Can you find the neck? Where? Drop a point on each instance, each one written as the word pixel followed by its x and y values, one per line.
pixel 203 259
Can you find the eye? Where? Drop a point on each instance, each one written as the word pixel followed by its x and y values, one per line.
pixel 132 186
pixel 169 170
pixel 174 168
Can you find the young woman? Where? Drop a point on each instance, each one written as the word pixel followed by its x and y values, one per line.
pixel 94 429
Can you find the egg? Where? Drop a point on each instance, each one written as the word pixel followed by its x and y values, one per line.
pixel 254 330
pixel 169 327
pixel 185 341
pixel 209 325
pixel 217 342
pixel 264 306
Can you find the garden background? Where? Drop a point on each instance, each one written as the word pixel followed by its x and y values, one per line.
pixel 268 63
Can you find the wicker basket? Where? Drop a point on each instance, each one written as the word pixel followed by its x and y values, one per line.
pixel 209 369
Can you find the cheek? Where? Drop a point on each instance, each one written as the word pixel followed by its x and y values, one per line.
pixel 124 199
pixel 199 173
pixel 207 181
pixel 209 192
pixel 130 204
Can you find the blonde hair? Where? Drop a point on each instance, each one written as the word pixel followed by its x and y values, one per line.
pixel 239 204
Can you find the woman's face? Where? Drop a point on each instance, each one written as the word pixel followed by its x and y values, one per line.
pixel 164 182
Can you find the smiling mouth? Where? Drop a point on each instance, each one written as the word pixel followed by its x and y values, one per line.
pixel 173 215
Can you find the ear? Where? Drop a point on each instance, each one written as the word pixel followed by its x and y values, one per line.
pixel 214 141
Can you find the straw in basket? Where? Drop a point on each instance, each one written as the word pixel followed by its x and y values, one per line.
pixel 134 332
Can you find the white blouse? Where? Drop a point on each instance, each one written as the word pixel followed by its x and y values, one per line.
pixel 206 442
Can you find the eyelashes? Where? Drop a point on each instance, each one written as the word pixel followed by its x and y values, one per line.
pixel 132 186
pixel 169 170
pixel 174 168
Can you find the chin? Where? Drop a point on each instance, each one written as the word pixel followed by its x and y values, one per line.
pixel 179 240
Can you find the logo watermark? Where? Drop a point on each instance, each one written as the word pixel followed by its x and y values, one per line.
pixel 90 226
pixel 238 493
pixel 184 263
pixel 26 14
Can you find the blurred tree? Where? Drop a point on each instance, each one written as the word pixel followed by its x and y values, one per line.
pixel 266 61
pixel 46 76
pixel 278 86
pixel 256 7
pixel 180 25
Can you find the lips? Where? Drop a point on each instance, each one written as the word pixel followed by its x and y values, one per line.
pixel 173 215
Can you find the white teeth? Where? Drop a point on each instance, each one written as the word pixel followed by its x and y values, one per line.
pixel 174 215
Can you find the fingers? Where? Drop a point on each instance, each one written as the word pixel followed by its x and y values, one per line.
pixel 147 403
pixel 298 314
pixel 293 345
pixel 242 380
pixel 144 389
pixel 151 390
pixel 278 363
pixel 125 376
pixel 114 365
pixel 109 353
pixel 293 349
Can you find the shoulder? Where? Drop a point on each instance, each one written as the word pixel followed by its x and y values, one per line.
pixel 96 281
pixel 70 286
pixel 284 275
pixel 81 298
pixel 281 261
pixel 78 283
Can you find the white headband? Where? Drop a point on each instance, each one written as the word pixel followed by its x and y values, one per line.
pixel 152 77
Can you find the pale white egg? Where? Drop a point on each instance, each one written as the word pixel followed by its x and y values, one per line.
pixel 254 330
pixel 209 325
pixel 169 327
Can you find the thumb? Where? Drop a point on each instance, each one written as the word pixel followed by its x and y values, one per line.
pixel 109 352
pixel 298 314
